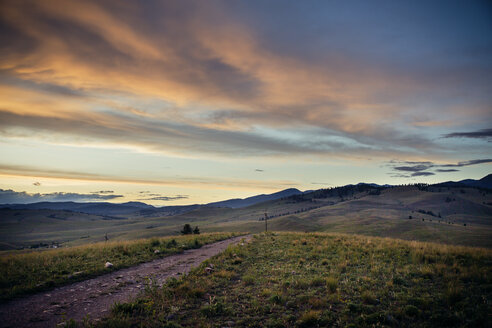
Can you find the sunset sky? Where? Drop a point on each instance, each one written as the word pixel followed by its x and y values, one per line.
pixel 181 102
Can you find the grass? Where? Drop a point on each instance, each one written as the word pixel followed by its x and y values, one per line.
pixel 323 280
pixel 36 271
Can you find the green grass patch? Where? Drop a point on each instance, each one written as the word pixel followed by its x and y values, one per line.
pixel 37 271
pixel 324 280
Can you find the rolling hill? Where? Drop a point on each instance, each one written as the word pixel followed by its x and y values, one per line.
pixel 447 213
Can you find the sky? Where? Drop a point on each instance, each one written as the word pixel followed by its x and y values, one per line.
pixel 183 102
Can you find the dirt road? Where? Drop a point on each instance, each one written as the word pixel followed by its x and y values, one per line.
pixel 94 297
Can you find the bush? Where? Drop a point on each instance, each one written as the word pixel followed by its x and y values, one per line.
pixel 411 310
pixel 331 284
pixel 171 244
pixel 309 319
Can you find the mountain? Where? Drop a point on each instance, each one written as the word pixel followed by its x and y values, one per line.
pixel 485 182
pixel 244 202
pixel 141 209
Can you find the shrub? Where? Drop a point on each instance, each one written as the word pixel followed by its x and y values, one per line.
pixel 453 294
pixel 249 280
pixel 368 298
pixel 331 284
pixel 214 309
pixel 411 310
pixel 171 244
pixel 309 319
pixel 276 299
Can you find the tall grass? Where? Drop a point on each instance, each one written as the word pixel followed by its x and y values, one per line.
pixel 36 271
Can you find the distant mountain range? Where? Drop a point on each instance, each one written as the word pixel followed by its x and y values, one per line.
pixel 142 209
pixel 244 202
pixel 98 208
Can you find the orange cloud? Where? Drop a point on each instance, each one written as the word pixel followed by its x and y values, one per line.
pixel 220 81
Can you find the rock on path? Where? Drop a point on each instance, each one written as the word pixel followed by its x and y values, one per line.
pixel 94 297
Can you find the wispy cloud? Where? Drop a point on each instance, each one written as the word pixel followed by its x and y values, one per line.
pixel 415 168
pixel 418 174
pixel 14 197
pixel 468 163
pixel 447 170
pixel 480 134
pixel 166 198
pixel 422 168
pixel 196 182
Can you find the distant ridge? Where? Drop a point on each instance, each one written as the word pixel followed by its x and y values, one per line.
pixel 98 208
pixel 142 209
pixel 244 202
pixel 485 182
pixel 105 208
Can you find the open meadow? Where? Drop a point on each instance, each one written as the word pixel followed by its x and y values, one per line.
pixel 323 280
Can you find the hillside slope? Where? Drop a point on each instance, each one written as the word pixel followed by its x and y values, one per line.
pixel 455 215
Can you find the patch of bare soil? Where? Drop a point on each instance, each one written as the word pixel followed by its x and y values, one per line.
pixel 93 298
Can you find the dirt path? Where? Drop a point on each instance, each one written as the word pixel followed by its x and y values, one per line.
pixel 94 297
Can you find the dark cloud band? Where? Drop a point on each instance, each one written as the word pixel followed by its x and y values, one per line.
pixel 421 168
pixel 485 133
pixel 13 197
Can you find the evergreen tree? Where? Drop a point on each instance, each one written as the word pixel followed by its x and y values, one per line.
pixel 196 231
pixel 187 230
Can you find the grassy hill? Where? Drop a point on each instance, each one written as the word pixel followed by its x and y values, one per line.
pixel 461 216
pixel 455 215
pixel 323 280
pixel 37 271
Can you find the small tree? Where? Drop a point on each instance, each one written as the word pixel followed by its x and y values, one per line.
pixel 196 231
pixel 187 230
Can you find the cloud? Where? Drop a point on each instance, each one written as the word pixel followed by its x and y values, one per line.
pixel 13 197
pixel 167 198
pixel 421 168
pixel 415 168
pixel 485 134
pixel 468 163
pixel 191 181
pixel 103 192
pixel 418 174
pixel 163 136
pixel 89 69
